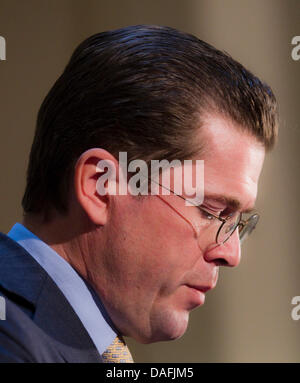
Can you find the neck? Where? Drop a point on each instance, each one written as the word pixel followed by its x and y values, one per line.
pixel 64 236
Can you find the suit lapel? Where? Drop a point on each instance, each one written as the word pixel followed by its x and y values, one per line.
pixel 21 275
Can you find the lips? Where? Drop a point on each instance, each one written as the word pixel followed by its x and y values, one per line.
pixel 195 296
pixel 203 289
pixel 196 291
pixel 211 283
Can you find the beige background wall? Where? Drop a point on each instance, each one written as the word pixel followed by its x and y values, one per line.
pixel 248 316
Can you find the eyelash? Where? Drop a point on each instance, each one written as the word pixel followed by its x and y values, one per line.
pixel 206 215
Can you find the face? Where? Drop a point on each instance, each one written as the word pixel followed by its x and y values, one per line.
pixel 155 270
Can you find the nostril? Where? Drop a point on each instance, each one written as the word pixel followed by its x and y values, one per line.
pixel 221 262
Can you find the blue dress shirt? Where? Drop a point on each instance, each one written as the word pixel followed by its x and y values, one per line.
pixel 81 297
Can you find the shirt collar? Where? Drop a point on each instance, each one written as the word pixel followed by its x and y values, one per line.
pixel 83 299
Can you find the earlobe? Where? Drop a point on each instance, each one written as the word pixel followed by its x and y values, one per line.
pixel 87 177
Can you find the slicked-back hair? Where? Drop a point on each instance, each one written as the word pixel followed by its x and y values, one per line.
pixel 143 90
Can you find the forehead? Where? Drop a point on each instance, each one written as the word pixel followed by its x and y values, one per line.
pixel 233 161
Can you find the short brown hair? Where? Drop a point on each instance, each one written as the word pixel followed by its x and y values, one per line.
pixel 139 89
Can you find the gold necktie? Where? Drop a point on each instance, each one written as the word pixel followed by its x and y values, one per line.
pixel 117 352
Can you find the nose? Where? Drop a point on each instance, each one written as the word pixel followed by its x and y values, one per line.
pixel 226 254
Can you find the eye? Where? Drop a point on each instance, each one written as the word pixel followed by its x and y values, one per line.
pixel 229 214
pixel 206 215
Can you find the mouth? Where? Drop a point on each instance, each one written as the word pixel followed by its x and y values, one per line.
pixel 196 295
pixel 202 289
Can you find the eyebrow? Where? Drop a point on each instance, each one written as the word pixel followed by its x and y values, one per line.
pixel 231 202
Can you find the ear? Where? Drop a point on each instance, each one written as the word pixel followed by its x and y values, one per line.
pixel 86 175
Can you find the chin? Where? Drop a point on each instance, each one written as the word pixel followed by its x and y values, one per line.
pixel 168 326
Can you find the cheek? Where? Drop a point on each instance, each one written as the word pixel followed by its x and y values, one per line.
pixel 168 241
pixel 153 250
pixel 164 228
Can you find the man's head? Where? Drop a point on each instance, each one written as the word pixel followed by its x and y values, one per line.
pixel 143 90
pixel 154 93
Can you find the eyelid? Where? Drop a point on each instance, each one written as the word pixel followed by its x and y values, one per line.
pixel 210 210
pixel 226 210
pixel 205 210
pixel 217 206
pixel 223 214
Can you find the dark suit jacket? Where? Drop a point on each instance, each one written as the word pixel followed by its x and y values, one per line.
pixel 40 324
